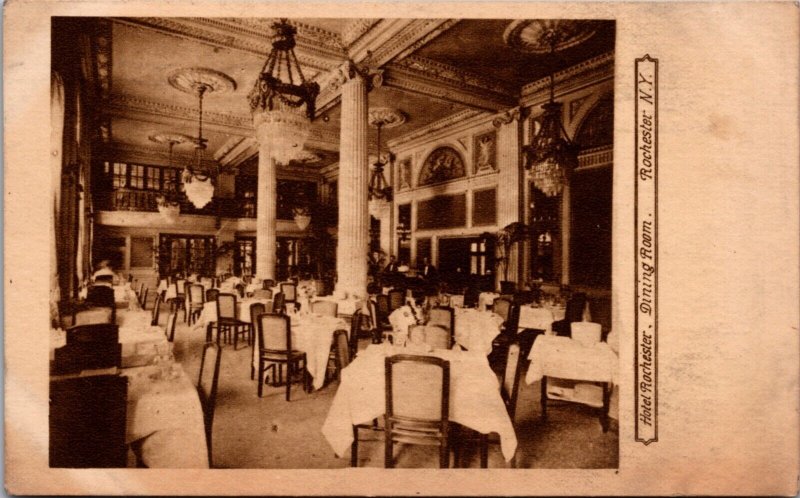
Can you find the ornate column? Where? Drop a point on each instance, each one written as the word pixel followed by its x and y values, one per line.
pixel 509 182
pixel 353 232
pixel 266 207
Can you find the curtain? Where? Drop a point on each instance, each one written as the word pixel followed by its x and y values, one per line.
pixel 56 157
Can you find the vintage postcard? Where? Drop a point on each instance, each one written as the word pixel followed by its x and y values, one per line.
pixel 360 248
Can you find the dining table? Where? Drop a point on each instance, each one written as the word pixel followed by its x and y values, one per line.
pixel 475 400
pixel 312 334
pixel 541 316
pixel 164 421
pixel 209 312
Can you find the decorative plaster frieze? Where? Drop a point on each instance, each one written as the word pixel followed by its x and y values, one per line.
pixel 156 155
pixel 587 72
pixel 126 105
pixel 454 75
pixel 414 35
pixel 451 124
pixel 414 80
pixel 511 115
pixel 356 29
pixel 316 49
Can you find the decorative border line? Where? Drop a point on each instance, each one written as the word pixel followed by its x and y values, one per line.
pixel 646 249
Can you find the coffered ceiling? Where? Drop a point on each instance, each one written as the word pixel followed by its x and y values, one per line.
pixel 432 69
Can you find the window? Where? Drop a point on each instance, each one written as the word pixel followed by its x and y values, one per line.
pixel 477 258
pixel 186 254
pixel 140 177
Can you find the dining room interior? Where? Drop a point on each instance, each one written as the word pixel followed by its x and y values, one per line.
pixel 322 243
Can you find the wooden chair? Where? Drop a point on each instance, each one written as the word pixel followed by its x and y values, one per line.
pixel 397 298
pixel 471 296
pixel 156 310
pixel 278 303
pixel 443 316
pixel 169 328
pixel 267 284
pixel 356 324
pixel 275 348
pixel 437 336
pixel 207 385
pixel 262 294
pixel 102 295
pixel 417 404
pixel 196 301
pixel 508 331
pixel 96 333
pixel 228 323
pixel 341 346
pixel 289 291
pixel 143 298
pixel 256 309
pixel 211 295
pixel 325 308
pixel 573 313
pixel 87 422
pixel 179 301
pixel 88 347
pixel 240 290
pixel 382 312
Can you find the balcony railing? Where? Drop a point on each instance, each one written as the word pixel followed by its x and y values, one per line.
pixel 124 199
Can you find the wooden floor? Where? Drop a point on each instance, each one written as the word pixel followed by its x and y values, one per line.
pixel 271 433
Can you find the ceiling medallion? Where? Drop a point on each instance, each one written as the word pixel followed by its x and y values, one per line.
pixel 534 35
pixel 171 138
pixel 190 79
pixel 386 117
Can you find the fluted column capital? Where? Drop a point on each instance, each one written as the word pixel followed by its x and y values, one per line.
pixel 350 71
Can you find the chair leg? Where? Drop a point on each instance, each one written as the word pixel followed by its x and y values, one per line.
pixel 484 441
pixel 388 457
pixel 544 399
pixel 354 448
pixel 260 377
pixel 289 374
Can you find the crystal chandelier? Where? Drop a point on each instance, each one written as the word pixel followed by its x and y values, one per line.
pixel 279 95
pixel 198 177
pixel 168 204
pixel 551 156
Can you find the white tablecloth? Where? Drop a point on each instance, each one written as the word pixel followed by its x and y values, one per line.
pixel 313 335
pixel 164 408
pixel 486 299
pixel 475 400
pixel 565 358
pixel 475 330
pixel 542 317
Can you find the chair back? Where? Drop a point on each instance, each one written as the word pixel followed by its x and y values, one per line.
pixel 262 293
pixel 397 298
pixel 510 385
pixel 356 322
pixel 180 287
pixel 382 309
pixel 170 327
pixel 211 295
pixel 98 333
pixel 471 296
pixel 274 333
pixel 96 314
pixel 508 287
pixel 100 295
pixel 267 284
pixel 196 294
pixel 342 349
pixel 575 307
pixel 289 291
pixel 257 309
pixel 226 306
pixel 502 307
pixel 143 298
pixel 444 317
pixel 438 337
pixel 278 303
pixel 207 386
pixel 156 310
pixel 87 422
pixel 417 388
pixel 325 308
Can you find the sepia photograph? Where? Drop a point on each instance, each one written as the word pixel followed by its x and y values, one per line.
pixel 248 277
pixel 364 248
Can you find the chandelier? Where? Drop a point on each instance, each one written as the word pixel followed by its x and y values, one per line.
pixel 279 95
pixel 380 117
pixel 551 156
pixel 198 177
pixel 168 203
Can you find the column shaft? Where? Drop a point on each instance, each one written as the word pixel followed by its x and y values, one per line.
pixel 266 213
pixel 353 232
pixel 508 191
